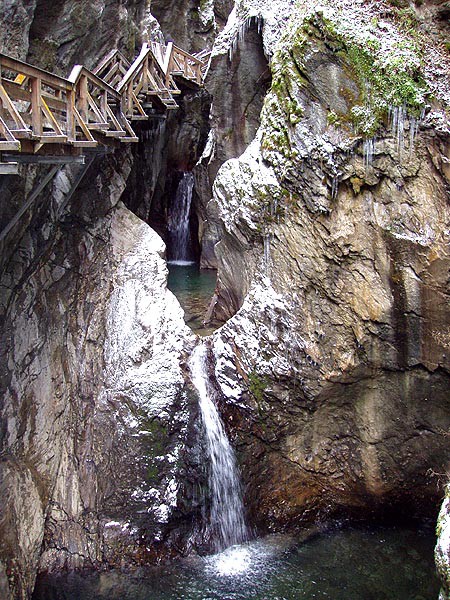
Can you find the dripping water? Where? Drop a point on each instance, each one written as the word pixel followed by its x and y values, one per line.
pixel 178 222
pixel 226 523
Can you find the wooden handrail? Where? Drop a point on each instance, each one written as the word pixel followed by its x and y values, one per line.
pixel 39 107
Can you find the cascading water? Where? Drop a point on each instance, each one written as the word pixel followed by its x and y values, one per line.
pixel 178 224
pixel 227 524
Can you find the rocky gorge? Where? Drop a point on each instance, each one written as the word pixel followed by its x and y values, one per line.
pixel 320 150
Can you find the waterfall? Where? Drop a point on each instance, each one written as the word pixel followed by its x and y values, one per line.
pixel 227 525
pixel 178 222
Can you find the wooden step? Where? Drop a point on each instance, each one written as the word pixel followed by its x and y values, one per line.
pixel 52 139
pixel 10 145
pixel 10 168
pixel 83 143
pixel 111 133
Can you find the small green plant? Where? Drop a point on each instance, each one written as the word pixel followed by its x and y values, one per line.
pixel 332 118
pixel 257 385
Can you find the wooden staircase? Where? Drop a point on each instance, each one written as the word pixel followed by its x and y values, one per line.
pixel 42 113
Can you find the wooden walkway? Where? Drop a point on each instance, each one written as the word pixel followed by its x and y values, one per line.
pixel 42 113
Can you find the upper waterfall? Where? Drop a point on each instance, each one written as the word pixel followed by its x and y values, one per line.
pixel 179 220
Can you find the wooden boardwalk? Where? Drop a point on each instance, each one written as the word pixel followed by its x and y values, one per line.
pixel 42 113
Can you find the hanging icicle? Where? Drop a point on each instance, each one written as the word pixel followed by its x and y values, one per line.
pixel 242 31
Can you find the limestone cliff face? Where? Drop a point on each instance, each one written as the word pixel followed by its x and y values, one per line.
pixel 96 425
pixel 333 259
pixel 95 422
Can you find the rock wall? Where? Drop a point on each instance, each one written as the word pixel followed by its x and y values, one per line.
pixel 333 259
pixel 95 420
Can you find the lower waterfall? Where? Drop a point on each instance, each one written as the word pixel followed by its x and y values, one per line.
pixel 227 524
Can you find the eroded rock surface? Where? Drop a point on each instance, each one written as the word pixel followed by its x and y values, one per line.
pixel 95 419
pixel 334 253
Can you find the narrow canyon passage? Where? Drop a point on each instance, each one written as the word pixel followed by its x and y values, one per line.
pixel 224 341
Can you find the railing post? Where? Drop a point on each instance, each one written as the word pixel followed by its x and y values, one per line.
pixel 83 92
pixel 168 63
pixel 144 75
pixel 70 115
pixel 36 113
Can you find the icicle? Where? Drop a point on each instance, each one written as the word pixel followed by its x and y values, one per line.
pixel 334 187
pixel 267 260
pixel 242 31
pixel 369 149
pixel 397 116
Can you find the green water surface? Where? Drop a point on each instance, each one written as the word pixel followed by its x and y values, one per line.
pixel 382 563
pixel 194 288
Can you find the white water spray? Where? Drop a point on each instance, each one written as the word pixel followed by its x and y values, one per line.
pixel 227 525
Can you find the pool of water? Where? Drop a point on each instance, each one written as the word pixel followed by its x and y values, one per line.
pixel 194 288
pixel 353 564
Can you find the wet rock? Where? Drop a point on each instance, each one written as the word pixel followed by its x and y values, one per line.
pixel 91 434
pixel 333 267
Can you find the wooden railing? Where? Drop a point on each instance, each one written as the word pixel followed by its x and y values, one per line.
pixel 87 108
pixel 183 64
pixel 144 82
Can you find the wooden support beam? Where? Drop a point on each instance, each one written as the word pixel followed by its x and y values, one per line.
pixel 83 94
pixel 31 198
pixel 30 159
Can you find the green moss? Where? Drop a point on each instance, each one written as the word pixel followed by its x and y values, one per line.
pixel 257 385
pixel 395 81
pixel 384 78
pixel 332 118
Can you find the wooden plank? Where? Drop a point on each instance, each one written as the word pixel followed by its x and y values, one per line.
pixel 70 116
pixel 83 143
pixel 6 145
pixel 50 159
pixel 49 114
pixel 104 62
pixel 10 143
pixel 9 168
pixel 112 116
pixel 83 126
pixel 168 58
pixel 50 138
pixel 83 98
